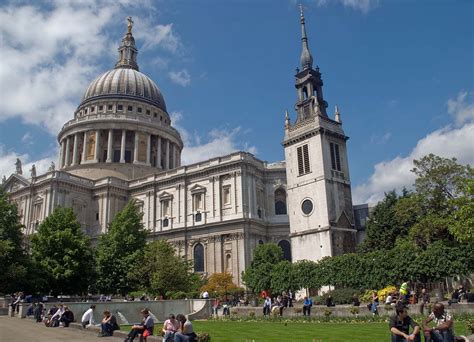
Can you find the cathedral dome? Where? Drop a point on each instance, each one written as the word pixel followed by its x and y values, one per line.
pixel 126 83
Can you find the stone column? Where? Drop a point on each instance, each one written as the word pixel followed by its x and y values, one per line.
pixel 148 149
pixel 167 156
pixel 84 149
pixel 135 149
pixel 74 149
pixel 172 162
pixel 158 153
pixel 122 146
pixel 109 146
pixel 61 155
pixel 96 152
pixel 68 159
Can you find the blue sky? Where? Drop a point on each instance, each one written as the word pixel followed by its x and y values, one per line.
pixel 401 72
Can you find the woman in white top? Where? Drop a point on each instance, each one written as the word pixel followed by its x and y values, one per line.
pixel 170 327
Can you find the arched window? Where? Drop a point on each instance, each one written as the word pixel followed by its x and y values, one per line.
pixel 280 202
pixel 286 248
pixel 199 258
pixel 228 263
pixel 260 242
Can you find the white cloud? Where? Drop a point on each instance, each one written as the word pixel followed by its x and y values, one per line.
pixel 360 5
pixel 460 110
pixel 450 141
pixel 8 159
pixel 182 78
pixel 51 53
pixel 218 142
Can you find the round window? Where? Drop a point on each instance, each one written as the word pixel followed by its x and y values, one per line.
pixel 307 206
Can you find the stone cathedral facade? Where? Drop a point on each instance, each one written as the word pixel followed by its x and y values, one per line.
pixel 120 145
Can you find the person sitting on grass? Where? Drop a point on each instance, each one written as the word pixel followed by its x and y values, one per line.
pixel 400 326
pixel 185 332
pixel 108 325
pixel 170 327
pixel 443 331
pixel 67 317
pixel 144 329
pixel 88 317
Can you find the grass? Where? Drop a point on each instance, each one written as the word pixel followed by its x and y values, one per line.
pixel 232 331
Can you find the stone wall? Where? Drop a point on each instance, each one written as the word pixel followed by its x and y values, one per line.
pixel 129 312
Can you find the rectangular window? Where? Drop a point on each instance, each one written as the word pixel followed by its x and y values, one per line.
pixel 226 195
pixel 101 108
pixel 303 160
pixel 92 109
pixel 147 112
pixel 109 107
pixel 155 115
pixel 198 202
pixel 335 157
pixel 129 108
pixel 120 107
pixel 139 109
pixel 165 208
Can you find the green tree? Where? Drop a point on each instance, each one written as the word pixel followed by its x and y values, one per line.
pixel 461 224
pixel 63 252
pixel 258 276
pixel 13 259
pixel 120 250
pixel 383 228
pixel 161 270
pixel 283 277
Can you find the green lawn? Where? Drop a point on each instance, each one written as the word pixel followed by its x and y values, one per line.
pixel 231 331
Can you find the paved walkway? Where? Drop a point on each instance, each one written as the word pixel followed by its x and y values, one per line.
pixel 15 329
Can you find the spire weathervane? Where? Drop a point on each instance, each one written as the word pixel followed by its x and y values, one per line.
pixel 127 50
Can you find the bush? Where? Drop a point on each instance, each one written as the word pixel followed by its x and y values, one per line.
pixel 252 314
pixel 383 293
pixel 179 295
pixel 367 296
pixel 340 296
pixel 355 310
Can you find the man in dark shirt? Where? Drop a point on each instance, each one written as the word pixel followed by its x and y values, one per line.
pixel 400 326
pixel 143 329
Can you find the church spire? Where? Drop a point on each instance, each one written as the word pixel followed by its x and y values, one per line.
pixel 306 59
pixel 128 51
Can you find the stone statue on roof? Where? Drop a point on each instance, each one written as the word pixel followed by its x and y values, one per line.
pixel 19 171
pixel 4 179
pixel 33 171
pixel 52 167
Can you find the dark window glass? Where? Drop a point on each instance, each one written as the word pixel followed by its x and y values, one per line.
pixel 139 109
pixel 259 213
pixel 101 107
pixel 97 216
pixel 147 112
pixel 307 206
pixel 335 157
pixel 260 242
pixel 198 217
pixel 155 115
pixel 165 222
pixel 109 107
pixel 85 111
pixel 92 109
pixel 199 258
pixel 286 248
pixel 129 108
pixel 120 107
pixel 116 156
pixel 128 156
pixel 280 208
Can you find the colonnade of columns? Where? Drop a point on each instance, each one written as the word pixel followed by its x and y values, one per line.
pixel 166 157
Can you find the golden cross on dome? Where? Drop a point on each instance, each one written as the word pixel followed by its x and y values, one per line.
pixel 130 24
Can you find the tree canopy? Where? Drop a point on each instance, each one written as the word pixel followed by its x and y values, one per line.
pixel 64 253
pixel 119 250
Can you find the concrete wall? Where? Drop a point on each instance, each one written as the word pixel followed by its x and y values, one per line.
pixel 129 312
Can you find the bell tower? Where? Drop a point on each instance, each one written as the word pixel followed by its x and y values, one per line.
pixel 319 188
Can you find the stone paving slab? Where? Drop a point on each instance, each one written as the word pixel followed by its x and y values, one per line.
pixel 15 329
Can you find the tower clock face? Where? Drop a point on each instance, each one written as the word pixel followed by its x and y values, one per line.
pixel 307 207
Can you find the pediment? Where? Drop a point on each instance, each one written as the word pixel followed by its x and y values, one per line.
pixel 343 221
pixel 197 189
pixel 15 182
pixel 165 195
